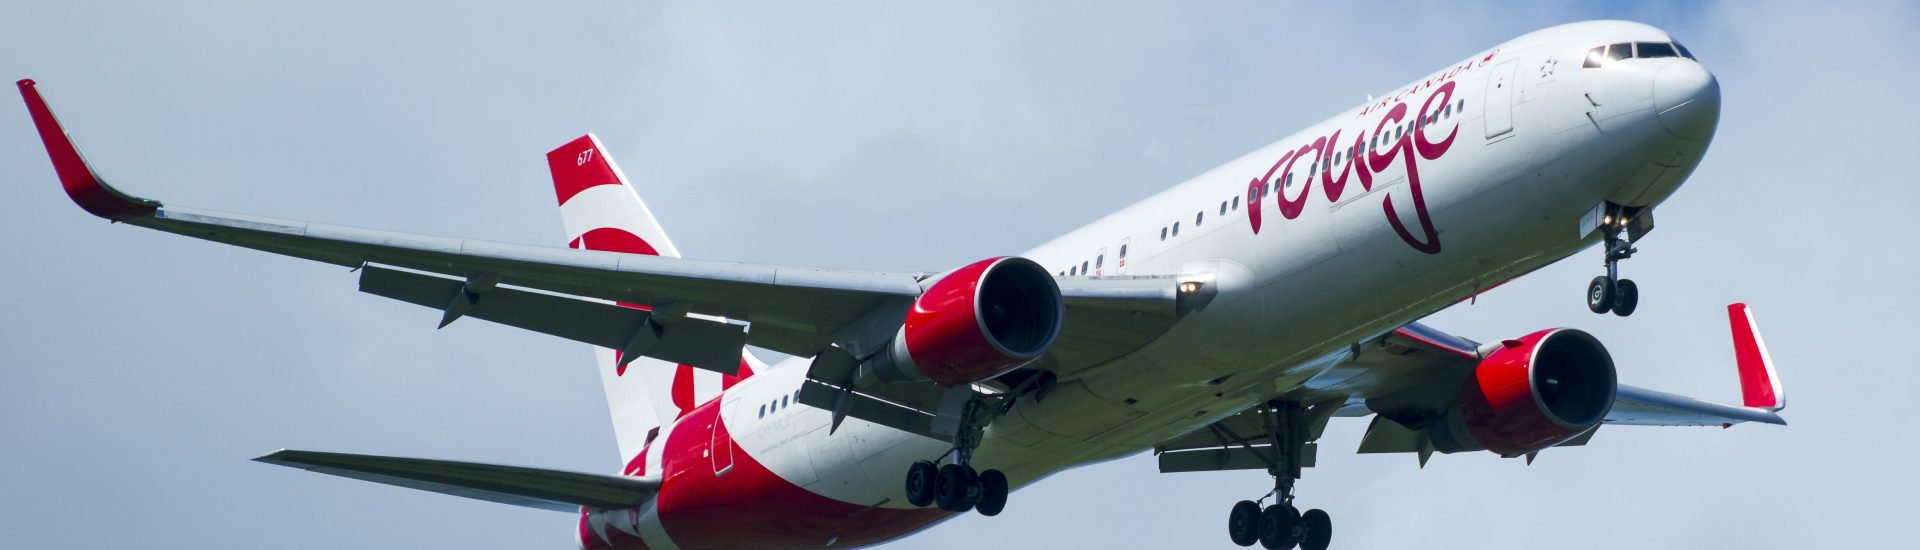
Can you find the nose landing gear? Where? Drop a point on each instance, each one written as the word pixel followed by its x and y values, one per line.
pixel 1610 292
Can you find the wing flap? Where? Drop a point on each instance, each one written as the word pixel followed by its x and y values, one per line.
pixel 710 345
pixel 520 486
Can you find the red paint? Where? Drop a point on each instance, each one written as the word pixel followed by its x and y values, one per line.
pixel 1404 150
pixel 1498 404
pixel 81 184
pixel 1756 372
pixel 578 165
pixel 613 239
pixel 944 334
pixel 751 507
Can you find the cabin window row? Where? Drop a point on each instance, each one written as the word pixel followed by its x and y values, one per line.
pixel 1099 262
pixel 776 406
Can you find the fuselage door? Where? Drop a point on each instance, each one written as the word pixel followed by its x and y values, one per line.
pixel 1499 99
pixel 721 444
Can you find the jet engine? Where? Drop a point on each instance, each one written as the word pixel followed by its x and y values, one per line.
pixel 975 323
pixel 1529 394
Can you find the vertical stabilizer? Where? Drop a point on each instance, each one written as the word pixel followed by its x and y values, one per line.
pixel 602 211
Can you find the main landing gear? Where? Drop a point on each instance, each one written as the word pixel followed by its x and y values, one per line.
pixel 1280 525
pixel 956 486
pixel 1610 292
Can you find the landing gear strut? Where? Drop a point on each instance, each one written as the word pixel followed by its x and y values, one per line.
pixel 956 486
pixel 1610 292
pixel 1280 525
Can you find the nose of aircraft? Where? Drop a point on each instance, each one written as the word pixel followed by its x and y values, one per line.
pixel 1687 98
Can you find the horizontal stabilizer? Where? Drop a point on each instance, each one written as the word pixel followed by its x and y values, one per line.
pixel 519 486
pixel 702 343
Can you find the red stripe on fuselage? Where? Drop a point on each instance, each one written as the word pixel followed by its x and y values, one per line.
pixel 749 506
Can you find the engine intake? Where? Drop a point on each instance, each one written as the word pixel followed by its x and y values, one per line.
pixel 1532 393
pixel 975 323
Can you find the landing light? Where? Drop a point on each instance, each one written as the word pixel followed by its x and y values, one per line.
pixel 1189 287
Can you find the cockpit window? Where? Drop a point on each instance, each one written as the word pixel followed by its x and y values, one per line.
pixel 1600 56
pixel 1620 51
pixel 1654 49
pixel 1683 50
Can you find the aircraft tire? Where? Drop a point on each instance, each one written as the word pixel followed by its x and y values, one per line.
pixel 1279 527
pixel 993 493
pixel 1626 297
pixel 1243 524
pixel 920 477
pixel 1318 527
pixel 951 487
pixel 1600 294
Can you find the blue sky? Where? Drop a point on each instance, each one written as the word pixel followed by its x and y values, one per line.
pixel 139 371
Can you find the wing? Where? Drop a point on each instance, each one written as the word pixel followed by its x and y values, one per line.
pixel 1424 367
pixel 1762 396
pixel 520 486
pixel 1407 376
pixel 793 310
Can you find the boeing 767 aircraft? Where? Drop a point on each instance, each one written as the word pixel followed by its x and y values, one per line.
pixel 1220 323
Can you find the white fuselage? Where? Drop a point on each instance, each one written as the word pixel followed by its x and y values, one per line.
pixel 1533 142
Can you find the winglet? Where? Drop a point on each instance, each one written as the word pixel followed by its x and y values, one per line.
pixel 82 184
pixel 1759 383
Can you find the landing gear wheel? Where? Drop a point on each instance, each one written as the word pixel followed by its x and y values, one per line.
pixel 993 493
pixel 953 488
pixel 1600 294
pixel 1318 527
pixel 1279 527
pixel 1243 524
pixel 920 483
pixel 1626 297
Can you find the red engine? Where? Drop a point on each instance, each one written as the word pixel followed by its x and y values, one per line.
pixel 975 323
pixel 1532 393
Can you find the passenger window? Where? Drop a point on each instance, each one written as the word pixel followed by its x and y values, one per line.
pixel 1655 50
pixel 783 401
pixel 1620 51
pixel 763 411
pixel 1463 106
pixel 1074 271
pixel 1199 217
pixel 1123 252
pixel 1236 203
pixel 1223 208
pixel 796 396
pixel 1100 261
pixel 1595 57
pixel 1176 229
pixel 1163 233
pixel 1083 268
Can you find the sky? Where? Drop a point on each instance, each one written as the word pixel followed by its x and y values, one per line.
pixel 139 371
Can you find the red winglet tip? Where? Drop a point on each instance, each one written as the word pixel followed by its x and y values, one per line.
pixel 1759 384
pixel 81 184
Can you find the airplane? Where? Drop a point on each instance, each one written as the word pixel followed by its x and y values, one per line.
pixel 1219 324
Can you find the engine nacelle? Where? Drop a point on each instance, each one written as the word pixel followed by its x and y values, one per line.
pixel 975 323
pixel 1532 393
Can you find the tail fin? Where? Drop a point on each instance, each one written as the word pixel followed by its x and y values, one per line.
pixel 601 211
